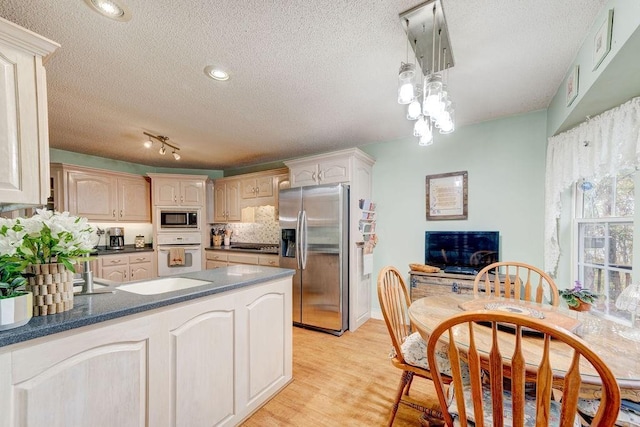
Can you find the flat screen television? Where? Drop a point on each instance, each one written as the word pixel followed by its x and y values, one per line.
pixel 464 252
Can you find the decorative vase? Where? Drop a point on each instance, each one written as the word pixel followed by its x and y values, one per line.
pixel 52 287
pixel 16 311
pixel 582 306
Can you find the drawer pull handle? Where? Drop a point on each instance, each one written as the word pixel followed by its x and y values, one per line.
pixel 115 261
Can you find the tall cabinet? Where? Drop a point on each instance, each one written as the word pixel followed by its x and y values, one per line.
pixel 353 167
pixel 24 129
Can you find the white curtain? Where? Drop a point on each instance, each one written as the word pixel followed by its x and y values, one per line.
pixel 598 147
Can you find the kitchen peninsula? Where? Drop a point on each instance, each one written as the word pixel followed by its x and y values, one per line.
pixel 205 355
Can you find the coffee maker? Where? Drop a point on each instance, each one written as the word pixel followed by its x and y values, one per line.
pixel 116 238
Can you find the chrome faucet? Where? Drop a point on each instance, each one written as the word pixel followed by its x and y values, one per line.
pixel 87 278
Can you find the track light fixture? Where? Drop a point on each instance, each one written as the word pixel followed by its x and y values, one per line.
pixel 163 141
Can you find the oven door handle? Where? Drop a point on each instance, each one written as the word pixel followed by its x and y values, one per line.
pixel 186 248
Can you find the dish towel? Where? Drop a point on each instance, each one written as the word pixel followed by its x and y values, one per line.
pixel 176 256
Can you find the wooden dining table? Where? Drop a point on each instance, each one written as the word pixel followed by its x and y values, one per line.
pixel 605 337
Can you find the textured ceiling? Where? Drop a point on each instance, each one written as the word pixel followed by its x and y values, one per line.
pixel 306 76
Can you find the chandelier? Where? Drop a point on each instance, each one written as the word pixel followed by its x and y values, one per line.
pixel 427 99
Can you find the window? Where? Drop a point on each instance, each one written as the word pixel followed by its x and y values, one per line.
pixel 604 246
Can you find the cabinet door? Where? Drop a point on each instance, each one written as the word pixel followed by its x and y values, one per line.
pixel 248 188
pixel 304 175
pixel 117 273
pixel 133 200
pixel 141 271
pixel 333 171
pixel 166 192
pixel 233 201
pixel 191 193
pixel 92 195
pixel 219 202
pixel 24 170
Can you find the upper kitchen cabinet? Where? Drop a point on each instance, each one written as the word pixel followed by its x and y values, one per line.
pixel 178 190
pixel 330 168
pixel 261 186
pixel 24 129
pixel 226 200
pixel 100 195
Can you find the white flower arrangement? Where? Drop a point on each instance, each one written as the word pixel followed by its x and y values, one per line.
pixel 44 238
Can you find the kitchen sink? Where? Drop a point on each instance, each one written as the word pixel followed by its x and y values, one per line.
pixel 160 286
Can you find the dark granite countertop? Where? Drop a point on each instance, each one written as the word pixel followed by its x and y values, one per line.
pixel 91 309
pixel 128 249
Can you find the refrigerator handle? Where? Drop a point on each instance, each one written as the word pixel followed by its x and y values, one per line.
pixel 299 240
pixel 303 249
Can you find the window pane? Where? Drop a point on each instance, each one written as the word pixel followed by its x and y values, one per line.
pixel 593 243
pixel 621 246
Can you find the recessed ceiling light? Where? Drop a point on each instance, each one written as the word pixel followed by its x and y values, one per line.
pixel 111 9
pixel 216 73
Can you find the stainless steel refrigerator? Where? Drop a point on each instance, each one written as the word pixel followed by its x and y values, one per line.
pixel 314 223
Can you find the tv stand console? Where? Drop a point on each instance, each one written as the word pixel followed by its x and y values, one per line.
pixel 428 284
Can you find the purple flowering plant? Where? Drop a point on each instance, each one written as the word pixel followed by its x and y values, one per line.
pixel 574 295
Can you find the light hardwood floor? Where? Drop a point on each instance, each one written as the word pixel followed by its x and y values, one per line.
pixel 342 381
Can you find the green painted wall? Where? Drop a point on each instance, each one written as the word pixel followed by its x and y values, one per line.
pixel 505 160
pixel 61 156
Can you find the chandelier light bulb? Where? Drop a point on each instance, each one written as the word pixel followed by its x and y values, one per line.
pixel 406 91
pixel 414 110
pixel 421 127
pixel 148 144
pixel 162 150
pixel 446 122
pixel 426 140
pixel 176 156
pixel 432 91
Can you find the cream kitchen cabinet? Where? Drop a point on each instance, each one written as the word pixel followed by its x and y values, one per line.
pixel 127 267
pixel 178 190
pixel 216 259
pixel 327 169
pixel 226 200
pixel 209 361
pixel 261 186
pixel 100 195
pixel 224 258
pixel 24 129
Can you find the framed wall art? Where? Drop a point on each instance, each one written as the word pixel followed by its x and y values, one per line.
pixel 447 196
pixel 602 40
pixel 572 84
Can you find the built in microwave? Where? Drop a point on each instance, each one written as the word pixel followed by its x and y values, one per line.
pixel 172 219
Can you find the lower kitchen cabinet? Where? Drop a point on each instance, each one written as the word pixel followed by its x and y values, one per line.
pixel 204 362
pixel 224 258
pixel 126 267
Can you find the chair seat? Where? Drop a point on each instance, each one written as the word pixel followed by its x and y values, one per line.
pixel 414 352
pixel 626 417
pixel 530 408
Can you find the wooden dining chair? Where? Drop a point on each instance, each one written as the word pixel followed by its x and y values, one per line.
pixel 490 352
pixel 409 349
pixel 517 280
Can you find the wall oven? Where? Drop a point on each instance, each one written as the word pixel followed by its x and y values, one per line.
pixel 179 253
pixel 176 219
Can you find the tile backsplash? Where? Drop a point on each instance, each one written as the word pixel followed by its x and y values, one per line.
pixel 263 228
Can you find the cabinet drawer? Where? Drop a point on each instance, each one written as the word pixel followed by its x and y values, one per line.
pixel 216 255
pixel 111 260
pixel 269 260
pixel 243 258
pixel 141 257
pixel 215 264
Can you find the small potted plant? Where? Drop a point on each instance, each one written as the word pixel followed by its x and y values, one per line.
pixel 16 304
pixel 578 298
